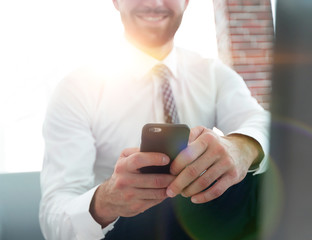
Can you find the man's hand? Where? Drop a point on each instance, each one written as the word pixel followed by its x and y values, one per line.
pixel 210 158
pixel 129 192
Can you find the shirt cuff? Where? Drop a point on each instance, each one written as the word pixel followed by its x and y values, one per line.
pixel 264 143
pixel 85 227
pixel 262 167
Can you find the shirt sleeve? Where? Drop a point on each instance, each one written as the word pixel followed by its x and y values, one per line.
pixel 239 112
pixel 67 177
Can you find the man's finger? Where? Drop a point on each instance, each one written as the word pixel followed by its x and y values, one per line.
pixel 195 133
pixel 205 180
pixel 187 156
pixel 150 181
pixel 194 150
pixel 151 194
pixel 190 173
pixel 129 151
pixel 144 159
pixel 214 191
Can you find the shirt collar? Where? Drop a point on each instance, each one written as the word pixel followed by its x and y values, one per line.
pixel 141 63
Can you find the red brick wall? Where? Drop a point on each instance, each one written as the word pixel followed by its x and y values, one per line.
pixel 250 29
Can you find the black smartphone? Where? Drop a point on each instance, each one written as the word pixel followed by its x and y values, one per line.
pixel 169 139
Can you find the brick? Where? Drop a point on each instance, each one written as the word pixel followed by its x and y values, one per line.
pixel 248 46
pixel 251 31
pixel 253 68
pixel 249 9
pixel 262 83
pixel 264 16
pixel 266 39
pixel 250 23
pixel 244 2
pixel 256 23
pixel 250 53
pixel 261 31
pixel 252 61
pixel 256 76
pixel 242 16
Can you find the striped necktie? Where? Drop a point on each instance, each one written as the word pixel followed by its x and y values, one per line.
pixel 170 110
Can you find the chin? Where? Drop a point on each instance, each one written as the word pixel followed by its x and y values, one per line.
pixel 154 41
pixel 156 44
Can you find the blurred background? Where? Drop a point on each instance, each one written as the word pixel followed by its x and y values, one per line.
pixel 287 195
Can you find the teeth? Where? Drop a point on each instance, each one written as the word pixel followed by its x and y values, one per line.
pixel 152 19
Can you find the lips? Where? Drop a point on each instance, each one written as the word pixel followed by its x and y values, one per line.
pixel 152 18
pixel 152 15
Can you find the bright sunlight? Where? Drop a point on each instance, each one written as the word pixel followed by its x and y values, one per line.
pixel 41 41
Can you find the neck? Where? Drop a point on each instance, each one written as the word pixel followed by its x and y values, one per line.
pixel 159 52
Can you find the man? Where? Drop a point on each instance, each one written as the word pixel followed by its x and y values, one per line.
pixel 97 114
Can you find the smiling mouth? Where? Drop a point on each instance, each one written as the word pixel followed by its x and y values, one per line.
pixel 152 14
pixel 152 18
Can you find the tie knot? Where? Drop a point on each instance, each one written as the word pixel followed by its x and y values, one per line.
pixel 162 71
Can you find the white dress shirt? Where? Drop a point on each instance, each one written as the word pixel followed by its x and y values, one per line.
pixel 100 109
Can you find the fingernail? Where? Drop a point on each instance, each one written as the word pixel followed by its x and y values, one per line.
pixel 194 200
pixel 170 193
pixel 183 195
pixel 165 160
